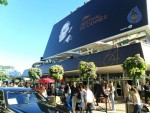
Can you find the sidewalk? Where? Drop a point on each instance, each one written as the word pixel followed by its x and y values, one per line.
pixel 120 108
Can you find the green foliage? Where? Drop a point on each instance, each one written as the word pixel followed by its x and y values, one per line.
pixel 35 73
pixel 87 69
pixel 135 67
pixel 4 75
pixel 4 2
pixel 56 72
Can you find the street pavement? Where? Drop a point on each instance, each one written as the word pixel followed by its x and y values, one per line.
pixel 120 108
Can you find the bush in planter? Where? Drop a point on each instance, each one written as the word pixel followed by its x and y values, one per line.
pixel 34 74
pixel 56 72
pixel 87 70
pixel 135 67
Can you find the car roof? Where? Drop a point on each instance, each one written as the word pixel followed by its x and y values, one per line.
pixel 15 88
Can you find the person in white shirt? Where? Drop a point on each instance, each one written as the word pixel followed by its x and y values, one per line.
pixel 140 89
pixel 43 91
pixel 112 95
pixel 15 84
pixel 136 100
pixel 89 99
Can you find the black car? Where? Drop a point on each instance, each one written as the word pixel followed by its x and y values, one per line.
pixel 26 100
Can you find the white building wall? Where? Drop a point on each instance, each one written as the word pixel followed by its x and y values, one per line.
pixel 146 50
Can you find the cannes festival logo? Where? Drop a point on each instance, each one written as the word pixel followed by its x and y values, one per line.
pixel 65 35
pixel 134 15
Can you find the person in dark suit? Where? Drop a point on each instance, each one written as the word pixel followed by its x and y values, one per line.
pixel 74 91
pixel 146 91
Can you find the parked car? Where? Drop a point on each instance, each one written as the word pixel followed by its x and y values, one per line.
pixel 26 100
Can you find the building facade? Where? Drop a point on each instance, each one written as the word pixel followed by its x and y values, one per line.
pixel 97 32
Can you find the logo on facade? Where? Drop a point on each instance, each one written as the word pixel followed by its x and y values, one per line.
pixel 111 57
pixel 88 20
pixel 134 16
pixel 65 35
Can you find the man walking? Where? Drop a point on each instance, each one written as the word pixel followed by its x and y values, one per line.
pixel 89 100
pixel 74 92
pixel 146 91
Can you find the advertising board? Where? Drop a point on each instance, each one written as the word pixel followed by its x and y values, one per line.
pixel 94 21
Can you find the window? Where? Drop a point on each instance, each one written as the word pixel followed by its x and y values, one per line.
pixel 23 97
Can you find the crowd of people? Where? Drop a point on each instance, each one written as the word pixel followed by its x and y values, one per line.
pixel 40 89
pixel 106 93
pixel 142 89
pixel 136 94
pixel 82 98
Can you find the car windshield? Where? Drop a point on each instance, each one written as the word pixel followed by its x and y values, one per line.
pixel 24 97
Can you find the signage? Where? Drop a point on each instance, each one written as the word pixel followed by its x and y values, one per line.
pixel 94 21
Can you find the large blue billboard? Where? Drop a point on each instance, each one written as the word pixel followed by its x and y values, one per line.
pixel 96 20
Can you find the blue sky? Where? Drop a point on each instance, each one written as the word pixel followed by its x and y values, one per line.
pixel 25 26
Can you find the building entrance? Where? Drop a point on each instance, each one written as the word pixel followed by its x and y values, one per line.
pixel 119 88
pixel 118 82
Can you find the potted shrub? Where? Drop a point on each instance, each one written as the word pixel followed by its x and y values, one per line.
pixel 56 72
pixel 135 68
pixel 34 74
pixel 87 70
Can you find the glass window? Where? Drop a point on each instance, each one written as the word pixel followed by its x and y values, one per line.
pixel 23 97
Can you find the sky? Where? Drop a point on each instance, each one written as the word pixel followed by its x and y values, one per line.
pixel 25 27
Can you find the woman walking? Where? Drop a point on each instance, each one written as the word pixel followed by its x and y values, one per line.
pixel 136 100
pixel 80 104
pixel 106 93
pixel 112 95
